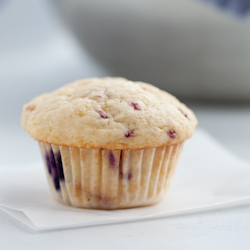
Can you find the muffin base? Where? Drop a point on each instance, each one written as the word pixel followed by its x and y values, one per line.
pixel 109 179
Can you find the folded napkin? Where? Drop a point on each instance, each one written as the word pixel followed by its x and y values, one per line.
pixel 207 177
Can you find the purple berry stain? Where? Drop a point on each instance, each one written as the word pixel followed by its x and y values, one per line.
pixel 112 160
pixel 127 176
pixel 48 158
pixel 59 166
pixel 134 105
pixel 55 169
pixel 103 199
pixel 102 114
pixel 172 134
pixel 129 133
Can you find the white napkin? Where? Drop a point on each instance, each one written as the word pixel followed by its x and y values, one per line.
pixel 207 177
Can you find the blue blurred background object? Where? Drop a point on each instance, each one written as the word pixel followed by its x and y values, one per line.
pixel 239 7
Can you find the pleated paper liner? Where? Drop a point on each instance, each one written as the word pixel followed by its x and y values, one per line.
pixel 109 179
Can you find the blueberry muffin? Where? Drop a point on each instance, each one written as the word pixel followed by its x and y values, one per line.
pixel 109 143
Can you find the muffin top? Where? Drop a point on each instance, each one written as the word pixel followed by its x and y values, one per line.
pixel 108 113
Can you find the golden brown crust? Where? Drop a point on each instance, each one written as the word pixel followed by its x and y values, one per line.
pixel 108 113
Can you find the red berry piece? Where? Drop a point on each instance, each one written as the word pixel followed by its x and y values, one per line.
pixel 172 134
pixel 129 133
pixel 102 114
pixel 134 105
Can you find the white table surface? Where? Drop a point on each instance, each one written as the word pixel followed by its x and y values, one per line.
pixel 218 229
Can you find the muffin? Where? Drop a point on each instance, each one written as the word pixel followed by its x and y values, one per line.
pixel 109 143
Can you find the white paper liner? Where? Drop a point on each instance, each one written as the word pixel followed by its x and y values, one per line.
pixel 202 183
pixel 109 179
